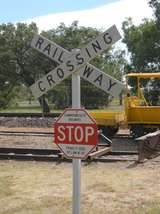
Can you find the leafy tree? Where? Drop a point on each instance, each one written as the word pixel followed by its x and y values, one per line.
pixel 155 4
pixel 18 62
pixel 143 42
pixel 22 65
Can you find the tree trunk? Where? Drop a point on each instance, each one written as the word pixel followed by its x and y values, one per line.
pixel 121 99
pixel 28 80
pixel 42 101
pixel 44 105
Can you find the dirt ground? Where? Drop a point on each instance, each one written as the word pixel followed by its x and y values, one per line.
pixel 26 141
pixel 46 188
pixel 106 188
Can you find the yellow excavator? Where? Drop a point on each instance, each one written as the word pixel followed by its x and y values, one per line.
pixel 140 115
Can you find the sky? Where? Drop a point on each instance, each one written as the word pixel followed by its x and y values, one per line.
pixel 48 13
pixel 18 10
pixel 100 14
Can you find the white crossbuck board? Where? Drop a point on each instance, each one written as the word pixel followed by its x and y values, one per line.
pixel 71 62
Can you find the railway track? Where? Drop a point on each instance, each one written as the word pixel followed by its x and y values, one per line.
pixel 9 114
pixel 24 133
pixel 55 155
pixel 120 140
pixel 123 149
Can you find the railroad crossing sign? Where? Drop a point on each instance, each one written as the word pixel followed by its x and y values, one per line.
pixel 71 127
pixel 75 133
pixel 77 61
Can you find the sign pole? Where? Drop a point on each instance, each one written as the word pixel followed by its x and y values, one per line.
pixel 76 195
pixel 71 63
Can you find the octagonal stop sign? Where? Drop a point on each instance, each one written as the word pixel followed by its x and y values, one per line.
pixel 76 133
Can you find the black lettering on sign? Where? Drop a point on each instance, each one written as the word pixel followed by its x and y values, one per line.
pixel 88 52
pixel 111 84
pixel 96 46
pixel 60 73
pixel 60 56
pixel 79 58
pixel 50 79
pixel 47 48
pixel 54 52
pixel 40 86
pixel 70 65
pixel 39 42
pixel 99 79
pixel 87 71
pixel 107 38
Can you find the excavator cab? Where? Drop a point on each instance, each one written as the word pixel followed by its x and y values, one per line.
pixel 142 102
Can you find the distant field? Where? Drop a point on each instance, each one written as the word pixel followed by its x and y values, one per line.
pixel 34 107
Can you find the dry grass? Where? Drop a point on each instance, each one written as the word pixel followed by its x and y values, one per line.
pixel 113 188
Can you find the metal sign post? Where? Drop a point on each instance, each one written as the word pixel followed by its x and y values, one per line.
pixel 76 194
pixel 69 63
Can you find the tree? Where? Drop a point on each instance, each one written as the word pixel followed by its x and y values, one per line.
pixel 143 43
pixel 22 65
pixel 18 62
pixel 155 4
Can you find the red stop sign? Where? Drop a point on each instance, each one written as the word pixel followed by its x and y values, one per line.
pixel 75 133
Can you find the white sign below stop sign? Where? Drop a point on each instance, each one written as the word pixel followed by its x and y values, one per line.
pixel 75 133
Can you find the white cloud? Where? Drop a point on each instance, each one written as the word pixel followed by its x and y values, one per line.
pixel 101 17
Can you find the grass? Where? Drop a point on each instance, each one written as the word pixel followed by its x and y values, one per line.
pixel 152 208
pixel 24 107
pixel 37 109
pixel 37 188
pixel 5 186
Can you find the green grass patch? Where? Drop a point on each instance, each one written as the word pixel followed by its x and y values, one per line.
pixel 151 208
pixel 26 109
pixel 37 109
pixel 34 107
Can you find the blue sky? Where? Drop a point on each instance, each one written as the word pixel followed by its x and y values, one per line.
pixel 19 10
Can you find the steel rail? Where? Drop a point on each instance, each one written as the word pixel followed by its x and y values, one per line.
pixel 55 155
pixel 26 133
pixel 11 114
